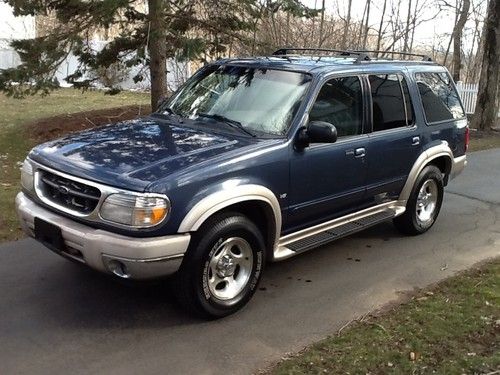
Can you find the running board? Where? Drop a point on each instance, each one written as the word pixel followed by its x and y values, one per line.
pixel 310 238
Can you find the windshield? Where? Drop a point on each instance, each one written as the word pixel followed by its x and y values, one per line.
pixel 255 99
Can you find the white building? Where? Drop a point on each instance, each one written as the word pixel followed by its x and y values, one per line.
pixel 12 27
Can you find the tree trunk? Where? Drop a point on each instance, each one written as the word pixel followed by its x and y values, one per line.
pixel 379 38
pixel 365 37
pixel 451 35
pixel 457 39
pixel 476 68
pixel 413 26
pixel 347 25
pixel 157 49
pixel 486 112
pixel 470 58
pixel 322 24
pixel 361 28
pixel 407 29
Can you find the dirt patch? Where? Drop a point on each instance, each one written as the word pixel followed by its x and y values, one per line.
pixel 54 127
pixel 484 139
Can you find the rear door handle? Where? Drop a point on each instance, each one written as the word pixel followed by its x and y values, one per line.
pixel 359 152
pixel 415 141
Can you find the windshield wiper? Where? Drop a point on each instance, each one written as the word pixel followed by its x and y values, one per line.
pixel 232 123
pixel 170 111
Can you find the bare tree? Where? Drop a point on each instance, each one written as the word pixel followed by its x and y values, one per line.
pixel 407 29
pixel 347 25
pixel 380 28
pixel 487 99
pixel 322 24
pixel 443 4
pixel 413 23
pixel 457 39
pixel 365 36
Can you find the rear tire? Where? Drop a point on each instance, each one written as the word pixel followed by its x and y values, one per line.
pixel 222 268
pixel 424 204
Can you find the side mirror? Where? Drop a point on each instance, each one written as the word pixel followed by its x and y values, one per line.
pixel 317 132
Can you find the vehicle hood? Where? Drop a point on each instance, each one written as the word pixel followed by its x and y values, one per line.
pixel 132 154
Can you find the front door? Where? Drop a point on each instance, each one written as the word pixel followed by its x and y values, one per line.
pixel 327 180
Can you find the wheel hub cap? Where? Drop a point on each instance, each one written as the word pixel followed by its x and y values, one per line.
pixel 427 201
pixel 226 266
pixel 229 268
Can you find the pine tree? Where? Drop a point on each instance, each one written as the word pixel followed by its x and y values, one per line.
pixel 146 35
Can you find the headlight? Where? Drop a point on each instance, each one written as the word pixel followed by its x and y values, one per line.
pixel 27 175
pixel 135 210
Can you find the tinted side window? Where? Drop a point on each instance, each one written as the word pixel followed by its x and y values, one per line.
pixel 340 102
pixel 439 97
pixel 390 107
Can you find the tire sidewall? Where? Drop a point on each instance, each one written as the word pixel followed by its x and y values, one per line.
pixel 429 172
pixel 235 226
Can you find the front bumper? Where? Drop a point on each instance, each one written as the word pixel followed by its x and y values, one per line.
pixel 127 257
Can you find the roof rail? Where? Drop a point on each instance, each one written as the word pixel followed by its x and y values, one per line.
pixel 424 57
pixel 361 55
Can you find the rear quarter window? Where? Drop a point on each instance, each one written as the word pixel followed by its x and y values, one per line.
pixel 439 97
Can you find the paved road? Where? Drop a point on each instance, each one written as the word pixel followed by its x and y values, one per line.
pixel 56 316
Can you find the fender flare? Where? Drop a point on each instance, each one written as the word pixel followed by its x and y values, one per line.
pixel 215 202
pixel 443 149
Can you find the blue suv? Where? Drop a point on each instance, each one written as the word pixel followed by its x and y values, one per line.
pixel 252 160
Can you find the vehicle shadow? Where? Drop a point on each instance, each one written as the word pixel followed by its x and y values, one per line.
pixel 71 295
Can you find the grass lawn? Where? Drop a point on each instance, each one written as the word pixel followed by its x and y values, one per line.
pixel 484 140
pixel 15 142
pixel 452 328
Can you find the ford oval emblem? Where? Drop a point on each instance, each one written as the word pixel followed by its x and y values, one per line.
pixel 63 190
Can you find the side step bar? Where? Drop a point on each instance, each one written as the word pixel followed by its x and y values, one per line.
pixel 343 230
pixel 310 238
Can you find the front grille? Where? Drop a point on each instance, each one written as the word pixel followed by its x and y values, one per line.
pixel 70 194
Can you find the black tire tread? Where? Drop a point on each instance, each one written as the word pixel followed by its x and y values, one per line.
pixel 184 280
pixel 406 223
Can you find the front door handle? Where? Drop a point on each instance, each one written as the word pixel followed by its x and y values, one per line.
pixel 415 141
pixel 359 152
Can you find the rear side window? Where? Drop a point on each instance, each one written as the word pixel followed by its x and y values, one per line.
pixel 439 97
pixel 340 102
pixel 391 105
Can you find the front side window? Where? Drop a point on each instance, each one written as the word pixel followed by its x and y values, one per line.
pixel 340 102
pixel 439 97
pixel 391 105
pixel 260 100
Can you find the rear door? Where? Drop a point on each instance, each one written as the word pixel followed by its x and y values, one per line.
pixel 394 142
pixel 444 113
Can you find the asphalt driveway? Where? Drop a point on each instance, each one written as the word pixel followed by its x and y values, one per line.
pixel 57 317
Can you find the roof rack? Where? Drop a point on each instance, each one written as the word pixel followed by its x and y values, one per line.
pixel 362 55
pixel 424 57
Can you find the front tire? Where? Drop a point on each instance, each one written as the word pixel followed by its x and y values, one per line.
pixel 222 267
pixel 424 204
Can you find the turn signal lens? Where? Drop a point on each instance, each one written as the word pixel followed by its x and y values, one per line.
pixel 135 210
pixel 27 175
